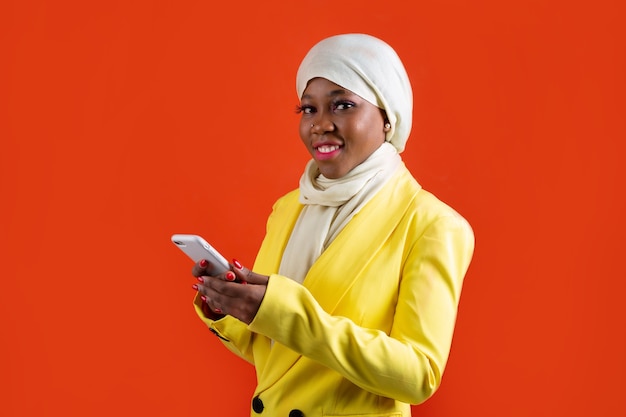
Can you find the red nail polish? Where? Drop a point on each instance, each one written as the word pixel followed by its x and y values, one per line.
pixel 218 311
pixel 230 276
pixel 203 298
pixel 200 279
pixel 237 264
pixel 203 263
pixel 195 287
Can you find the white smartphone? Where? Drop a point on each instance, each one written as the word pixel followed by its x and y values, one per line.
pixel 197 248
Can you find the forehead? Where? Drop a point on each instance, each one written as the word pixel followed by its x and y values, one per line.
pixel 322 87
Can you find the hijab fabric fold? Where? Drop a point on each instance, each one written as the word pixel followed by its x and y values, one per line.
pixel 370 68
pixel 329 206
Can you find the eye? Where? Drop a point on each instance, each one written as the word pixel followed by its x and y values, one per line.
pixel 305 109
pixel 343 105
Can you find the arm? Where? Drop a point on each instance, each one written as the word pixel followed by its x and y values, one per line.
pixel 405 364
pixel 239 303
pixel 231 332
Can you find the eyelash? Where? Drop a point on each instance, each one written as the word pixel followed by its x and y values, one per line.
pixel 301 109
pixel 307 109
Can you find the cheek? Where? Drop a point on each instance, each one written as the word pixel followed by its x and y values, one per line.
pixel 303 131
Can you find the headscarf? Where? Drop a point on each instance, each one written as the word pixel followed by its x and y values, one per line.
pixel 368 67
pixel 371 69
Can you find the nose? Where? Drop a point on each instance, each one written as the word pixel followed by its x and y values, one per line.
pixel 322 124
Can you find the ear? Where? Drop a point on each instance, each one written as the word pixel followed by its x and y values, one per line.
pixel 387 124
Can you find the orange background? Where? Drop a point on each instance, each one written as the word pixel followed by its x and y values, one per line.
pixel 122 122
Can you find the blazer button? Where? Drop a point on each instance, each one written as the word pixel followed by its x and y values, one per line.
pixel 296 413
pixel 257 405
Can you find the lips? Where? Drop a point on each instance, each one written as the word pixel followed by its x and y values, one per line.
pixel 327 148
pixel 326 151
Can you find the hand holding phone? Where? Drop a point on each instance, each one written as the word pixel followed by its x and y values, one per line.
pixel 197 248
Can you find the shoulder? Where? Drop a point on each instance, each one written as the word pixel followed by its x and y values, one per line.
pixel 434 216
pixel 286 210
pixel 427 204
pixel 426 209
pixel 291 199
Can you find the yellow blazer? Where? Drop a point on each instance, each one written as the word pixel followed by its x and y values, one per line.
pixel 369 330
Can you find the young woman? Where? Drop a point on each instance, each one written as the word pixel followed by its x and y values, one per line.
pixel 350 307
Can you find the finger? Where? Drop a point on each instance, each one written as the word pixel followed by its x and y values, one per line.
pixel 202 267
pixel 229 296
pixel 218 296
pixel 209 305
pixel 208 296
pixel 219 286
pixel 235 299
pixel 244 275
pixel 228 276
pixel 240 272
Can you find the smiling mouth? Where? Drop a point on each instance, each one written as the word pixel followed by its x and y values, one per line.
pixel 324 149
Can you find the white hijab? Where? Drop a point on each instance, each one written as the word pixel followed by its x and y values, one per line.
pixel 368 67
pixel 371 69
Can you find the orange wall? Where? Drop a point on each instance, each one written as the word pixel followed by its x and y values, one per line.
pixel 122 122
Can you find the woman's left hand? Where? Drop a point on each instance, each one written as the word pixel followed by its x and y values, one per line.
pixel 238 292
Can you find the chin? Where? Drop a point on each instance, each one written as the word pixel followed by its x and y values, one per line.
pixel 332 174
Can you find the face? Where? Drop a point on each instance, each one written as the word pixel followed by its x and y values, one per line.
pixel 346 129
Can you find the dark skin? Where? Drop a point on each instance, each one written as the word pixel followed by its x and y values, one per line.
pixel 238 292
pixel 340 130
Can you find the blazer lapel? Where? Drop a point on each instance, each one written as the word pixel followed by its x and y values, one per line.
pixel 280 225
pixel 371 227
pixel 280 357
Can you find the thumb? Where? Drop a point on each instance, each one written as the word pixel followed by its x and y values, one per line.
pixel 244 275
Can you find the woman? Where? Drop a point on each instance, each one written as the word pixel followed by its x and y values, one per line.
pixel 351 306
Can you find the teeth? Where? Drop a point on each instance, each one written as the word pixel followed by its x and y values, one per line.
pixel 327 148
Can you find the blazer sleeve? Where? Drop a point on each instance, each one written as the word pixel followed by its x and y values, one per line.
pixel 233 333
pixel 406 364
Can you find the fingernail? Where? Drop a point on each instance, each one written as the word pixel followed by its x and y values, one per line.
pixel 200 279
pixel 203 298
pixel 203 263
pixel 218 311
pixel 230 276
pixel 237 264
pixel 195 287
